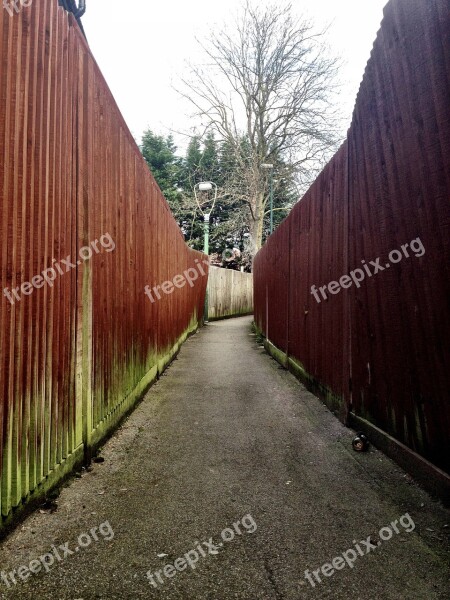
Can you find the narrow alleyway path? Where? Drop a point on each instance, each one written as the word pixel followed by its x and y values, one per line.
pixel 228 451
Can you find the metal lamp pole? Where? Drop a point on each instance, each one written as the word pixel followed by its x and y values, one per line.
pixel 269 166
pixel 206 251
pixel 206 241
pixel 206 186
pixel 271 201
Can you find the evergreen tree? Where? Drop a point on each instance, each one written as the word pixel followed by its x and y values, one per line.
pixel 160 154
pixel 221 162
pixel 192 163
pixel 210 165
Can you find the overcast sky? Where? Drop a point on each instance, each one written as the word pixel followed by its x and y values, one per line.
pixel 141 47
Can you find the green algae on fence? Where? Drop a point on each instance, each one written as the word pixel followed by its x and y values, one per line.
pixel 76 355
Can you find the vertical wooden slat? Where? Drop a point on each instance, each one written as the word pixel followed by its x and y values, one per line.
pixel 70 172
pixel 10 67
pixel 381 349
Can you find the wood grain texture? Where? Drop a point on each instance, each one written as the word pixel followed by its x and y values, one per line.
pixel 381 350
pixel 230 293
pixel 70 172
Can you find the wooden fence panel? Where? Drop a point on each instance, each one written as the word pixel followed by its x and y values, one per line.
pixel 378 348
pixel 78 348
pixel 230 293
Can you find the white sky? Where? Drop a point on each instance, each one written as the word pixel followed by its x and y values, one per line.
pixel 141 47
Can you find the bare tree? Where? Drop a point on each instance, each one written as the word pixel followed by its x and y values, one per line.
pixel 267 80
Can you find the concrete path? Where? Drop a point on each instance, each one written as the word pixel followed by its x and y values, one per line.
pixel 228 482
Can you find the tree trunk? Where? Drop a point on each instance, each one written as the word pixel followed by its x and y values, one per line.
pixel 257 225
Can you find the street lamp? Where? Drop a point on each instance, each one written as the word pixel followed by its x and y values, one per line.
pixel 206 186
pixel 269 167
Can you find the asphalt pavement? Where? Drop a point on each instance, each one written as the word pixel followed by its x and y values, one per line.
pixel 231 481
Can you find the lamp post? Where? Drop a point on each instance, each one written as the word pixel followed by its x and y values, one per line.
pixel 269 167
pixel 206 186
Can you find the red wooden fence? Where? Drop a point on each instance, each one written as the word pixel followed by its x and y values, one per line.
pixel 381 350
pixel 74 355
